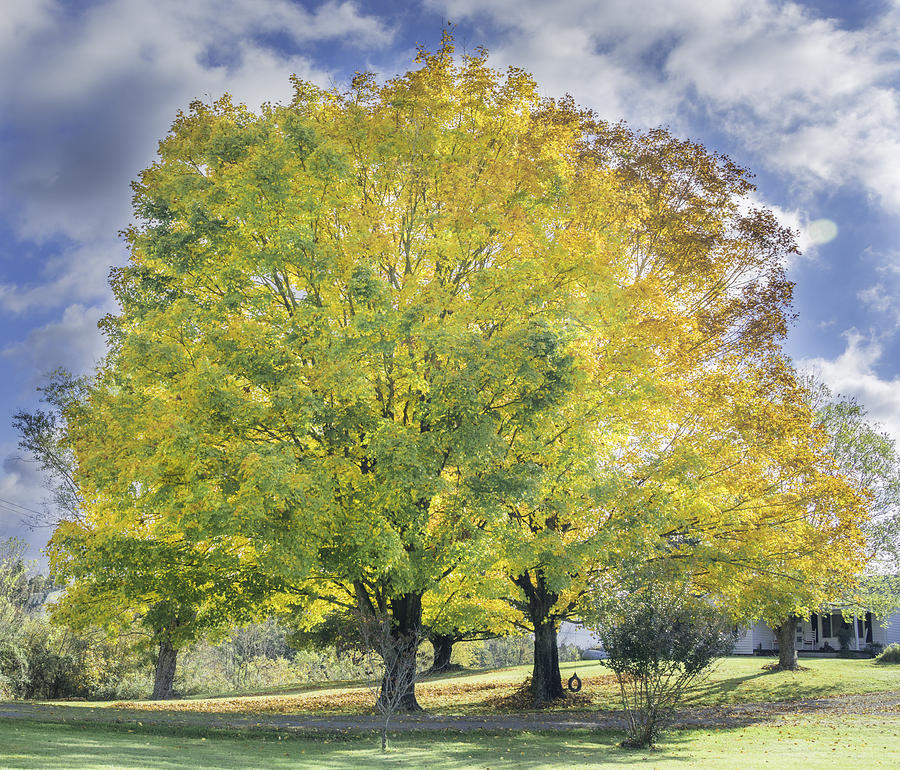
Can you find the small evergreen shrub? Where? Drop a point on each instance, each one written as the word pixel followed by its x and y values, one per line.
pixel 890 654
pixel 844 634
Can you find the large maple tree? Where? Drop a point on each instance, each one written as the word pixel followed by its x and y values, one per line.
pixel 338 312
pixel 378 339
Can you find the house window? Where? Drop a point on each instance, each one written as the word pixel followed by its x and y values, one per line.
pixel 859 627
pixel 826 625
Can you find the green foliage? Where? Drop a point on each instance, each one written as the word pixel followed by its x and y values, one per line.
pixel 869 458
pixel 14 582
pixel 13 661
pixel 504 651
pixel 115 575
pixel 40 661
pixel 500 652
pixel 890 654
pixel 262 656
pixel 336 629
pixel 57 664
pixel 170 592
pixel 205 670
pixel 36 660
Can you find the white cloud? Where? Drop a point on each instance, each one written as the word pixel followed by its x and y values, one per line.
pixel 883 297
pixel 76 274
pixel 71 53
pixel 879 299
pixel 96 88
pixel 852 374
pixel 806 96
pixel 25 20
pixel 73 343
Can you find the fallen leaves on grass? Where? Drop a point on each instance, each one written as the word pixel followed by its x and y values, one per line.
pixel 489 695
pixel 356 701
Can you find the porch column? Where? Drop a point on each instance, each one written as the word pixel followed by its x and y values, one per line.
pixel 856 632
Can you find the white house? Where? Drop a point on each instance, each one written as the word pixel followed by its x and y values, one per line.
pixel 813 634
pixel 576 635
pixel 820 629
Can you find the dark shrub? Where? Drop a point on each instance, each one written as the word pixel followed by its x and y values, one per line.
pixel 844 634
pixel 660 640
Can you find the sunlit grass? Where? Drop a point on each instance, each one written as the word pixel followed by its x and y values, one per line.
pixel 807 742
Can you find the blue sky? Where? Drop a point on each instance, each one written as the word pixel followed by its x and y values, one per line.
pixel 806 94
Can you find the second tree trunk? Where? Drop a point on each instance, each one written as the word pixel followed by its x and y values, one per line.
pixel 546 680
pixel 787 655
pixel 443 650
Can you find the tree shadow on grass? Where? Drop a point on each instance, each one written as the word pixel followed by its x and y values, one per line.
pixel 583 748
pixel 79 747
pixel 710 690
pixel 776 686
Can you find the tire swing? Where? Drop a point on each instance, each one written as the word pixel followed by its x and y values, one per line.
pixel 574 683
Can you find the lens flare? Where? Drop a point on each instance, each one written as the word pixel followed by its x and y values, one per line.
pixel 822 231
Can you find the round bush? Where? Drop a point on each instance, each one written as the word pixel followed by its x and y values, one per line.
pixel 890 654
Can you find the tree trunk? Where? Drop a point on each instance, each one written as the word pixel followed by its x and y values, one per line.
pixel 787 655
pixel 398 688
pixel 546 680
pixel 443 649
pixel 165 671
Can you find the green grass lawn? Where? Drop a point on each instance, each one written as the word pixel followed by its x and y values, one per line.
pixel 58 735
pixel 741 679
pixel 810 742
